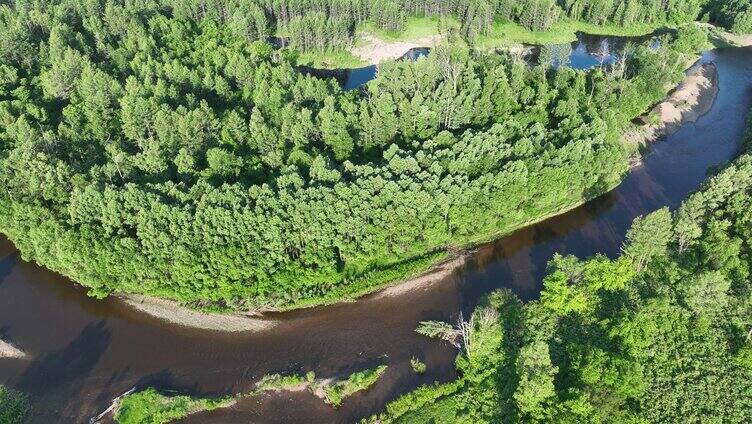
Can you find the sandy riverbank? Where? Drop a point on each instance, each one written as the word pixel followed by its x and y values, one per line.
pixel 722 38
pixel 7 350
pixel 436 273
pixel 174 313
pixel 374 50
pixel 693 98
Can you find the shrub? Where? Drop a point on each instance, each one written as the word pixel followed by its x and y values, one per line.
pixel 14 406
pixel 418 366
pixel 152 407
pixel 335 393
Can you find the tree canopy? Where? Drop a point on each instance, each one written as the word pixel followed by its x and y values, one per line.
pixel 662 334
pixel 147 150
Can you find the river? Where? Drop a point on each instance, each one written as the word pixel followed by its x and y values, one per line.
pixel 84 352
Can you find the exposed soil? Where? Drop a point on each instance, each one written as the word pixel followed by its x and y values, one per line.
pixel 375 50
pixel 176 314
pixel 7 350
pixel 692 99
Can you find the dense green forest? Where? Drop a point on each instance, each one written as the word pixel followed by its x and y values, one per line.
pixel 146 152
pixel 662 334
pixel 331 24
pixel 736 15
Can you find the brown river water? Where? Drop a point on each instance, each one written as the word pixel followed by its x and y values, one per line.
pixel 84 352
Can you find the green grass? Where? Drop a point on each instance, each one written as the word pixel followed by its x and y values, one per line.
pixel 415 28
pixel 330 60
pixel 282 382
pixel 152 407
pixel 434 403
pixel 505 33
pixel 14 406
pixel 418 366
pixel 335 393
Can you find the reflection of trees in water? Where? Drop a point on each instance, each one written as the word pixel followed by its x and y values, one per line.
pixel 6 265
pixel 555 54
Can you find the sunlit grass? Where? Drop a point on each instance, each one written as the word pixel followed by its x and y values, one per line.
pixel 330 60
pixel 415 29
pixel 150 406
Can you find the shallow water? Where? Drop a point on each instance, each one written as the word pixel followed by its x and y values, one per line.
pixel 85 352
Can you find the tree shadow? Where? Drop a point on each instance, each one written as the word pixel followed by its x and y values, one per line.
pixel 55 381
pixel 6 266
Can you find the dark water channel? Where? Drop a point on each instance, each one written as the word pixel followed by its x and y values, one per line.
pixel 84 352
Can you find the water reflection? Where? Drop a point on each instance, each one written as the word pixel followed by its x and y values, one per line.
pixel 588 51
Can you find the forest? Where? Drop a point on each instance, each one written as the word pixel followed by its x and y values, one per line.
pixel 329 25
pixel 145 152
pixel 661 334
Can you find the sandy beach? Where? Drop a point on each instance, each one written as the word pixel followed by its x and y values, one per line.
pixel 174 313
pixel 7 350
pixel 693 98
pixel 374 50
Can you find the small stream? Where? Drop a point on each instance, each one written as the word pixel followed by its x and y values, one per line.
pixel 84 352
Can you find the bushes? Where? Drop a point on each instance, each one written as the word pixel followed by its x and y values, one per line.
pixel 151 407
pixel 208 171
pixel 418 366
pixel 282 382
pixel 14 406
pixel 658 335
pixel 335 393
pixel 331 390
pixel 419 399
